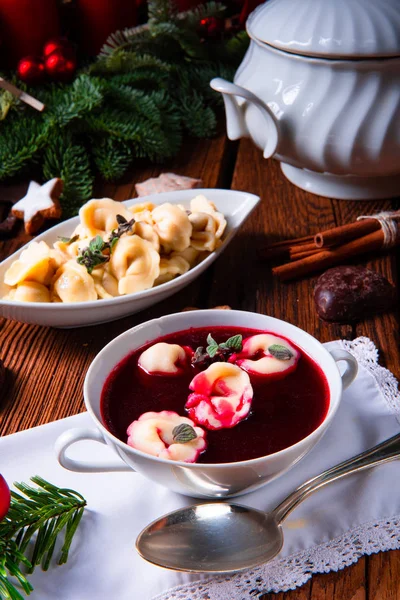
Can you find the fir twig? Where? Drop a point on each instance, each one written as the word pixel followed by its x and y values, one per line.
pixel 37 515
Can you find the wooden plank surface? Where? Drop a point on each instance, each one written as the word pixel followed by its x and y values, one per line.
pixel 46 367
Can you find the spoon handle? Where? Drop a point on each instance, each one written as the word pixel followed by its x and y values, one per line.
pixel 383 452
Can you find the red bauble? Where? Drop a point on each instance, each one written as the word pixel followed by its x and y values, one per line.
pixel 211 26
pixel 56 44
pixel 31 70
pixel 60 65
pixel 5 497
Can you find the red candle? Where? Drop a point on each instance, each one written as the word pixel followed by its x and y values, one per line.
pixel 97 19
pixel 25 26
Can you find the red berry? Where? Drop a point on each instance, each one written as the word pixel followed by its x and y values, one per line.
pixel 5 497
pixel 31 69
pixel 60 65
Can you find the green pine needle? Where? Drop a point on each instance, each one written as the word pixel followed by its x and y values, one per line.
pixel 37 516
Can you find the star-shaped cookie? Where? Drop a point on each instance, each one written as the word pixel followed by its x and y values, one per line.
pixel 41 202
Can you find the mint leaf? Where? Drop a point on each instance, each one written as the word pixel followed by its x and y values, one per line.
pixel 233 343
pixel 183 433
pixel 96 244
pixel 212 347
pixel 211 341
pixel 280 352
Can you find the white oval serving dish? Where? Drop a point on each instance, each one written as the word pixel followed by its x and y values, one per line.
pixel 236 206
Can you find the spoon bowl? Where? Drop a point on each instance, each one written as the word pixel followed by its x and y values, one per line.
pixel 219 537
pixel 211 537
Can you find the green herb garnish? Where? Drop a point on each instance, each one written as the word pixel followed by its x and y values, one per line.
pixel 280 352
pixel 217 352
pixel 98 252
pixel 92 256
pixel 183 433
pixel 67 240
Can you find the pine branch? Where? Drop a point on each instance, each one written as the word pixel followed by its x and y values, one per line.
pixel 199 120
pixel 38 516
pixel 160 11
pixel 112 157
pixel 69 160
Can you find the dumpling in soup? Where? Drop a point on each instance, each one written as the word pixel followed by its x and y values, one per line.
pixel 135 264
pixel 172 226
pixel 99 217
pixel 72 283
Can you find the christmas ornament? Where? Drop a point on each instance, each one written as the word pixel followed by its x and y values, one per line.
pixel 31 70
pixel 211 27
pixel 41 202
pixel 60 65
pixel 5 497
pixel 25 27
pixel 52 45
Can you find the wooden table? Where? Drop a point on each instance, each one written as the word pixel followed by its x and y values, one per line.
pixel 46 367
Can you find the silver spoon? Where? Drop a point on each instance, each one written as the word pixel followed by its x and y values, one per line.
pixel 219 537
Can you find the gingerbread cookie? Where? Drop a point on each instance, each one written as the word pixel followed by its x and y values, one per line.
pixel 40 203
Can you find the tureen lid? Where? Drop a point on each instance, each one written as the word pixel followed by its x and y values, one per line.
pixel 329 28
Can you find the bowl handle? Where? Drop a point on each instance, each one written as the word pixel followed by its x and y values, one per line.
pixel 352 366
pixel 70 437
pixel 235 118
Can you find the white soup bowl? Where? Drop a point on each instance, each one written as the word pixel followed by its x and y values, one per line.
pixel 201 480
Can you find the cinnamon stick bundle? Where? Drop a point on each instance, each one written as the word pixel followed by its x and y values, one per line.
pixel 345 233
pixel 330 257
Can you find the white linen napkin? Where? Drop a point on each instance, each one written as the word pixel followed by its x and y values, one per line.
pixel 330 530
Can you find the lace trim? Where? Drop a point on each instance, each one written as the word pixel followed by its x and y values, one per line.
pixel 367 354
pixel 288 573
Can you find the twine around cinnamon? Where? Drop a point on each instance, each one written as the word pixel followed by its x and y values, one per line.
pixel 378 232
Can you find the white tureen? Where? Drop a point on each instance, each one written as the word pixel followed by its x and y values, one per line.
pixel 319 90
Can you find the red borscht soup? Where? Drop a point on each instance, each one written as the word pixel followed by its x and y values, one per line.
pixel 286 406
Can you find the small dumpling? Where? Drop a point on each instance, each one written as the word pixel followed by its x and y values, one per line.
pixel 34 264
pixel 163 359
pixel 190 254
pixel 202 204
pixel 170 268
pixel 72 283
pixel 204 232
pixel 142 212
pixel 105 284
pixel 64 251
pixel 172 226
pixel 99 217
pixel 146 232
pixel 135 264
pixel 30 291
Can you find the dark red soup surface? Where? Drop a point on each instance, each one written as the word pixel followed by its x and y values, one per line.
pixel 283 411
